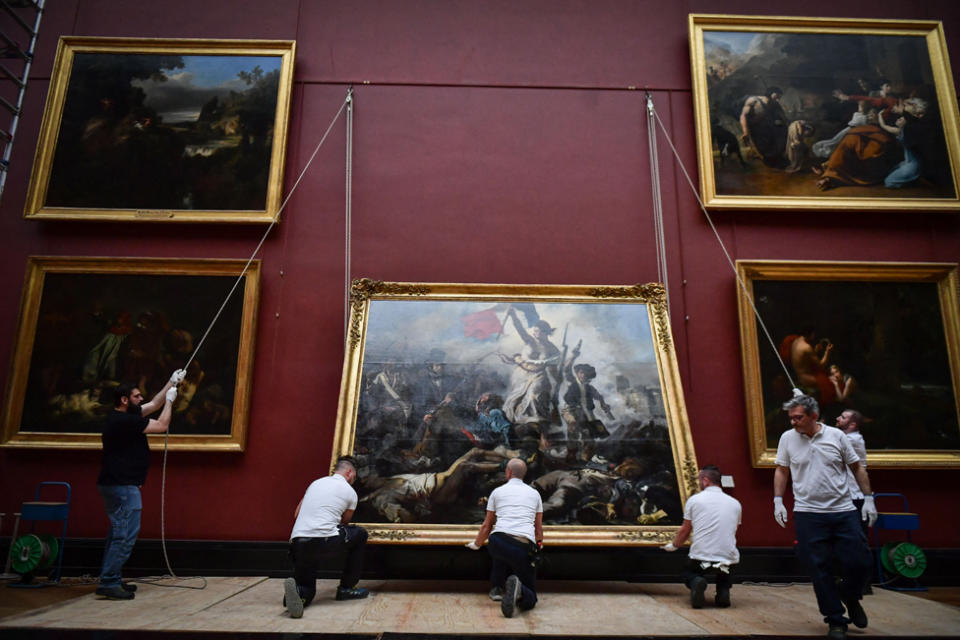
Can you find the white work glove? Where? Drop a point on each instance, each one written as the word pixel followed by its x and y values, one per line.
pixel 177 376
pixel 472 546
pixel 869 510
pixel 171 394
pixel 779 511
pixel 669 547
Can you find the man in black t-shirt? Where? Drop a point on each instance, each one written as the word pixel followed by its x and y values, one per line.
pixel 126 457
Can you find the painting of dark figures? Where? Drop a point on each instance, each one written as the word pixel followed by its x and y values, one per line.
pixel 166 132
pixel 449 390
pixel 826 115
pixel 95 331
pixel 875 347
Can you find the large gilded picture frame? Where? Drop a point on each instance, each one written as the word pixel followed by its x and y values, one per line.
pixel 881 338
pixel 163 130
pixel 443 383
pixel 89 324
pixel 824 113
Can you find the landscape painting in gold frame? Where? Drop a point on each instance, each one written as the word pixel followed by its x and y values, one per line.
pixel 443 383
pixel 881 338
pixel 157 130
pixel 89 324
pixel 824 113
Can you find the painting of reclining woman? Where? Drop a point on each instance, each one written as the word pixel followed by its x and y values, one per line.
pixel 793 108
pixel 449 390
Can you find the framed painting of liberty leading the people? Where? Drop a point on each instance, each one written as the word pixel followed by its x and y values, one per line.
pixel 443 383
pixel 807 113
pixel 883 340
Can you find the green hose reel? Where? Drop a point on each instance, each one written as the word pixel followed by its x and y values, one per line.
pixel 33 552
pixel 903 559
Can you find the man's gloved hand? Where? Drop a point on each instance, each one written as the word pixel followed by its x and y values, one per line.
pixel 177 376
pixel 669 547
pixel 869 510
pixel 171 394
pixel 472 546
pixel 779 511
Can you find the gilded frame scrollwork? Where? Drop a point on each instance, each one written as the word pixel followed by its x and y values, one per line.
pixel 397 323
pixel 894 335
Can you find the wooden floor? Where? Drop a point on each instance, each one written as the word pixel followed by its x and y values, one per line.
pixel 566 609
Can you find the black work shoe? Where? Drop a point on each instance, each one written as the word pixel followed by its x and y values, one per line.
pixel 722 599
pixel 511 593
pixel 837 631
pixel 129 586
pixel 697 586
pixel 114 593
pixel 496 594
pixel 291 598
pixel 356 593
pixel 857 615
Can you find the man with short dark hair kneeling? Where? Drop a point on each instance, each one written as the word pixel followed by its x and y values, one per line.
pixel 517 511
pixel 713 517
pixel 321 532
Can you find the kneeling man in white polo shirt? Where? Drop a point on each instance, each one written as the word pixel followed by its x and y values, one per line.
pixel 515 516
pixel 713 517
pixel 321 534
pixel 827 526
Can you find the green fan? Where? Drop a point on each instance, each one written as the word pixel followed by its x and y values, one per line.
pixel 32 552
pixel 904 559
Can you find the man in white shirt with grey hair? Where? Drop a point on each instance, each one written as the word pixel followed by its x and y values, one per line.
pixel 321 533
pixel 514 525
pixel 713 517
pixel 817 457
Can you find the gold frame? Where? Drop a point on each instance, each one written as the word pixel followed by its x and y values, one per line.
pixel 39 266
pixel 932 31
pixel 36 207
pixel 365 291
pixel 749 271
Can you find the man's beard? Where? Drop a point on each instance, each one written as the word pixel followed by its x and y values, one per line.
pixel 135 409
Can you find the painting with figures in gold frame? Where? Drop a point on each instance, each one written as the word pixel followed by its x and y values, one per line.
pixel 443 383
pixel 824 113
pixel 89 324
pixel 147 129
pixel 880 338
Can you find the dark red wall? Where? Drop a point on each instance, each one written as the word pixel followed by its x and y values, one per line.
pixel 496 141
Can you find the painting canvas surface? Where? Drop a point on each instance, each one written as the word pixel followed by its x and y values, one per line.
pixel 95 331
pixel 876 347
pixel 450 389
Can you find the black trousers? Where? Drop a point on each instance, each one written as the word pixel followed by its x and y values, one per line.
pixel 309 554
pixel 510 556
pixel 825 538
pixel 693 569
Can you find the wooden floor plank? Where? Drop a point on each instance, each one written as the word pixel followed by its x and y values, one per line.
pixel 253 604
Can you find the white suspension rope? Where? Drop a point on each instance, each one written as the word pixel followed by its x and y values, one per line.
pixel 348 215
pixel 743 287
pixel 659 235
pixel 273 222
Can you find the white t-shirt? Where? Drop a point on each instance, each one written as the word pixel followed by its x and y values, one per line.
pixel 818 467
pixel 516 506
pixel 715 517
pixel 323 505
pixel 861 448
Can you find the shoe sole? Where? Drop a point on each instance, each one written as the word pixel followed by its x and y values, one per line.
pixel 696 593
pixel 294 603
pixel 496 598
pixel 511 593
